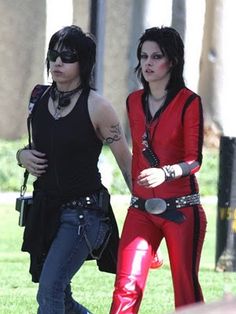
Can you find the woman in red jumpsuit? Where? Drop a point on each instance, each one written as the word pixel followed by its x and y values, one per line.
pixel 166 122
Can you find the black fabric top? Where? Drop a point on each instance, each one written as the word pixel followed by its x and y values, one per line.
pixel 71 147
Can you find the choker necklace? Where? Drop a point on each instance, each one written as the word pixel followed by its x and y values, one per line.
pixel 64 100
pixel 158 98
pixel 63 97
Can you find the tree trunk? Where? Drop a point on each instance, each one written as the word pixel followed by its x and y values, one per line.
pixel 179 17
pixel 216 85
pixel 22 33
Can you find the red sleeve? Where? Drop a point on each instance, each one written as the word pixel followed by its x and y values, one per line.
pixel 193 134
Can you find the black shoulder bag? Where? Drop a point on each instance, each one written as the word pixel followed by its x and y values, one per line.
pixel 24 203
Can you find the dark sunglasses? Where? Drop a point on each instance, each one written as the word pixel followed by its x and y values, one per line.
pixel 66 56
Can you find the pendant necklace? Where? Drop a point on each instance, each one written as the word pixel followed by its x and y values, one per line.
pixel 58 111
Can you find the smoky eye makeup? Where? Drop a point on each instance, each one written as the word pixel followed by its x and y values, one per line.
pixel 158 56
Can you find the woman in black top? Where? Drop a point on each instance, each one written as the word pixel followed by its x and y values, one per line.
pixel 70 219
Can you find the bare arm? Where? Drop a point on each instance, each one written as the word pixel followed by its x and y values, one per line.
pixel 109 130
pixel 119 147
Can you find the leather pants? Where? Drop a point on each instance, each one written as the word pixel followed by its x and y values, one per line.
pixel 141 236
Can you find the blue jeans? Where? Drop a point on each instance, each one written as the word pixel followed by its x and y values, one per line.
pixel 80 231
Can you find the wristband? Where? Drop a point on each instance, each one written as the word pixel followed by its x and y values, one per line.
pixel 18 155
pixel 169 172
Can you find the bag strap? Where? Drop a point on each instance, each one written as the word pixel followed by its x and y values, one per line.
pixel 36 94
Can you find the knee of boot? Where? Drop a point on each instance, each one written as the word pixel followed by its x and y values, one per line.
pixel 128 287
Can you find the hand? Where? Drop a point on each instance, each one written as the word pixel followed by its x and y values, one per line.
pixel 34 161
pixel 151 177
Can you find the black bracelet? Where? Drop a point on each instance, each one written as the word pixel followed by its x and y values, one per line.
pixel 169 172
pixel 18 155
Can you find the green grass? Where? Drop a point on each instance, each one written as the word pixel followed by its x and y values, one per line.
pixel 94 288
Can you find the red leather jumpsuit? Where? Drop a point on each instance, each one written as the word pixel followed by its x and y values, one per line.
pixel 176 137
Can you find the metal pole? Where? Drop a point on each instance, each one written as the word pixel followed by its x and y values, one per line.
pixel 97 28
pixel 226 216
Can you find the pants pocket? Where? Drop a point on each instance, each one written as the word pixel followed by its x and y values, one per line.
pixel 103 235
pixel 103 232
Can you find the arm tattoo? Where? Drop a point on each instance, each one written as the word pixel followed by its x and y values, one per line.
pixel 115 134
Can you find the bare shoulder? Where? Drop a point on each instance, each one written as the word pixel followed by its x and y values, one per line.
pixel 99 107
pixel 104 119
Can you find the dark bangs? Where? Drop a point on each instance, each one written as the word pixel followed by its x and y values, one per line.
pixel 171 46
pixel 73 38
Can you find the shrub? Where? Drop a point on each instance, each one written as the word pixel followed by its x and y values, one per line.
pixel 208 174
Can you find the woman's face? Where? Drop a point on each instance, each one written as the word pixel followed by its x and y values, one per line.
pixel 64 67
pixel 154 65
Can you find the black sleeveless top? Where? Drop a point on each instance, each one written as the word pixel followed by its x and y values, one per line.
pixel 71 147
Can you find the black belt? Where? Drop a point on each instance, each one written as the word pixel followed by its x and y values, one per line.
pixel 98 201
pixel 166 208
pixel 90 201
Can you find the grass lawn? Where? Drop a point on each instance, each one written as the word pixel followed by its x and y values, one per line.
pixel 94 288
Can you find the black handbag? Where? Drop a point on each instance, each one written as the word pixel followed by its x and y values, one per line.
pixel 23 204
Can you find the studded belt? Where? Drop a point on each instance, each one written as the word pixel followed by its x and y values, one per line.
pixel 166 208
pixel 90 201
pixel 179 202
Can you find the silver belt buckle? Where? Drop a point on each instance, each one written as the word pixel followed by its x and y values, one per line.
pixel 155 206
